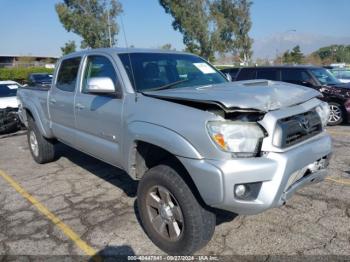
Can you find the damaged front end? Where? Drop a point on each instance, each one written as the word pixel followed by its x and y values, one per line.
pixel 9 120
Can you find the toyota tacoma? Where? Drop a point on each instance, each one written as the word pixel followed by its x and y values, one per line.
pixel 197 142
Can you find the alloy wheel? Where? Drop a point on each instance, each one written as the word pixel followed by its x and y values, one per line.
pixel 165 213
pixel 33 143
pixel 335 114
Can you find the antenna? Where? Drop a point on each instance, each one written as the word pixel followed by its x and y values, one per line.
pixel 123 29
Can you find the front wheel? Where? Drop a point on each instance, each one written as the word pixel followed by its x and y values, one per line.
pixel 336 115
pixel 171 215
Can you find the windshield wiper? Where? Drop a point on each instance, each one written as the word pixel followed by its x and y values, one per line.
pixel 167 86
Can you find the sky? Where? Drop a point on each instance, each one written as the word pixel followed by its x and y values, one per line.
pixel 31 27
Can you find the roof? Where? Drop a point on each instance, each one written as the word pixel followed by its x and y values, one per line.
pixel 126 50
pixel 340 69
pixel 30 55
pixel 8 82
pixel 284 66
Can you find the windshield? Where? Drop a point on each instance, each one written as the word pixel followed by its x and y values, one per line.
pixel 7 90
pixel 156 71
pixel 324 76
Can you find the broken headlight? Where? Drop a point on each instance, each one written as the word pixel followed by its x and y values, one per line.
pixel 242 139
pixel 323 112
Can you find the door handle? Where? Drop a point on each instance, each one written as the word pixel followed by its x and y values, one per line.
pixel 79 106
pixel 53 100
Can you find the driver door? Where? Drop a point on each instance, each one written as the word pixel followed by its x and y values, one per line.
pixel 99 116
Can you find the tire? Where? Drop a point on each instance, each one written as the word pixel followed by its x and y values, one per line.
pixel 336 116
pixel 195 224
pixel 41 148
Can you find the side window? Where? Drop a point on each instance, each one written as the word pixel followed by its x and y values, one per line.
pixel 246 74
pixel 345 75
pixel 299 77
pixel 98 66
pixel 269 74
pixel 67 74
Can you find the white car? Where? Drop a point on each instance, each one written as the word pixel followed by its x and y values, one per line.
pixel 8 91
pixel 343 74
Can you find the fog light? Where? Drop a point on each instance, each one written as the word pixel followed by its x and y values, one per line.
pixel 240 190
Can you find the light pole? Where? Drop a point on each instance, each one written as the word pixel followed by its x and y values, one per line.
pixel 109 30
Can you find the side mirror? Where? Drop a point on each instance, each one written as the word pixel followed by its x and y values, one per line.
pixel 100 85
pixel 228 76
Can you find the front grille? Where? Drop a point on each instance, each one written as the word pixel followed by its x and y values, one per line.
pixel 295 129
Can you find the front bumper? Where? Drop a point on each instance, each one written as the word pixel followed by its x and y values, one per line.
pixel 216 179
pixel 347 108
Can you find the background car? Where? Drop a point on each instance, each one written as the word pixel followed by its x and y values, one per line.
pixel 40 79
pixel 334 92
pixel 9 120
pixel 8 91
pixel 231 71
pixel 342 74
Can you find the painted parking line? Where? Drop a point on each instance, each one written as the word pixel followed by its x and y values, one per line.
pixel 339 181
pixel 88 250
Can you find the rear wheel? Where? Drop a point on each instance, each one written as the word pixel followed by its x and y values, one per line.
pixel 41 148
pixel 336 115
pixel 170 213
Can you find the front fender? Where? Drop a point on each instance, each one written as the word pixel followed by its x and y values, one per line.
pixel 160 136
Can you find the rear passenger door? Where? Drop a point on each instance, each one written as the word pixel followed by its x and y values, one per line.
pixel 99 116
pixel 61 100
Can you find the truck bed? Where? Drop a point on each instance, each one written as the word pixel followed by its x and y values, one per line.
pixel 37 96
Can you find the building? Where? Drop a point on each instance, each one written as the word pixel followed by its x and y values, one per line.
pixel 27 61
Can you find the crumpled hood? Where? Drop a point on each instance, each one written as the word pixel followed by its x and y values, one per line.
pixel 260 95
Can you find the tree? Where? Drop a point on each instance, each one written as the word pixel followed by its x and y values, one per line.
pixel 293 57
pixel 210 26
pixel 296 55
pixel 93 20
pixel 313 59
pixel 234 24
pixel 68 48
pixel 167 47
pixel 334 54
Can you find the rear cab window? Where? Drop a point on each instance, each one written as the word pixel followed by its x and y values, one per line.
pixel 68 74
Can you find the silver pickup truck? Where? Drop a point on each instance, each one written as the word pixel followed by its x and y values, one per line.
pixel 196 141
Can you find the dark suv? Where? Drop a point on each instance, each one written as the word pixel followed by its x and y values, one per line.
pixel 334 92
pixel 40 79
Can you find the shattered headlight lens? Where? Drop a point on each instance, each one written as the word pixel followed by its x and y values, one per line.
pixel 242 139
pixel 323 112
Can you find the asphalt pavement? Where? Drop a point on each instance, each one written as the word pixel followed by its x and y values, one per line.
pixel 78 206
